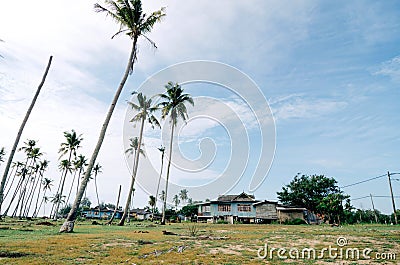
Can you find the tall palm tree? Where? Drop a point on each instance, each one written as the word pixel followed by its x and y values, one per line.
pixel 18 137
pixel 134 23
pixel 2 154
pixel 71 144
pixel 133 147
pixel 96 170
pixel 145 110
pixel 64 167
pixel 176 201
pixel 173 105
pixel 162 150
pixel 152 204
pixel 183 195
pixel 81 164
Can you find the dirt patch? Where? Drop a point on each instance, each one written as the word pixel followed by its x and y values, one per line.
pixel 45 223
pixel 225 251
pixel 8 254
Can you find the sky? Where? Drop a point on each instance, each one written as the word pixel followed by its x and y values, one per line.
pixel 308 87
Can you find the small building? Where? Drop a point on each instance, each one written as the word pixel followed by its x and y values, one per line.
pixel 101 213
pixel 266 211
pixel 140 214
pixel 286 213
pixel 230 208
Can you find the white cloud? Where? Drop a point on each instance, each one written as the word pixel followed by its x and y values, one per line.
pixel 390 68
pixel 292 107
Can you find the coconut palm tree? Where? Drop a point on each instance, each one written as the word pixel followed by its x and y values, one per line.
pixel 183 195
pixel 2 154
pixel 162 150
pixel 176 201
pixel 18 137
pixel 72 143
pixel 133 147
pixel 135 24
pixel 145 110
pixel 173 105
pixel 152 204
pixel 64 167
pixel 46 183
pixel 96 170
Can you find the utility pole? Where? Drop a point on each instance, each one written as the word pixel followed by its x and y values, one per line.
pixel 391 193
pixel 373 208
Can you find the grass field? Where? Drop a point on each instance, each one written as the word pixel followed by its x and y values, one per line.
pixel 26 242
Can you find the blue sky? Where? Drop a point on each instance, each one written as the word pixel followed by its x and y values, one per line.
pixel 329 70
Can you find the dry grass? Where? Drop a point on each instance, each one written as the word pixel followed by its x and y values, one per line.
pixel 139 243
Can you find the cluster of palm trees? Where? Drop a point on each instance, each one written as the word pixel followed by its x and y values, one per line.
pixel 172 106
pixel 74 165
pixel 135 24
pixel 26 181
pixel 27 186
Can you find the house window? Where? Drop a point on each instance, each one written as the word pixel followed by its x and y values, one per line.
pixel 224 207
pixel 205 208
pixel 244 208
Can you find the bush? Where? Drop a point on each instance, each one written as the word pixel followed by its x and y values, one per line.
pixel 296 221
pixel 222 222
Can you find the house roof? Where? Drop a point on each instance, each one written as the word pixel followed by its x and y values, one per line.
pixel 264 202
pixel 231 198
pixel 288 209
pixel 139 211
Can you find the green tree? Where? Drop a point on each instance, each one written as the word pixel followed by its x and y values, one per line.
pixel 145 109
pixel 19 134
pixel 134 23
pixel 189 210
pixel 173 105
pixel 314 192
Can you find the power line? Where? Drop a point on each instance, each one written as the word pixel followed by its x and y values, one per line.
pixel 374 196
pixel 363 181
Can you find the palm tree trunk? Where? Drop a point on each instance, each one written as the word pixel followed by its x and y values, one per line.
pixel 97 192
pixel 134 173
pixel 68 225
pixel 158 185
pixel 35 212
pixel 169 165
pixel 21 128
pixel 70 189
pixel 62 186
pixel 116 207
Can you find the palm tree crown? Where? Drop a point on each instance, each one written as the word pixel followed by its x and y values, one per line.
pixel 173 103
pixel 131 19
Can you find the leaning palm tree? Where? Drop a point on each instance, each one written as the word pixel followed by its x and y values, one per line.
pixel 134 23
pixel 96 170
pixel 64 167
pixel 173 105
pixel 162 150
pixel 145 110
pixel 18 137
